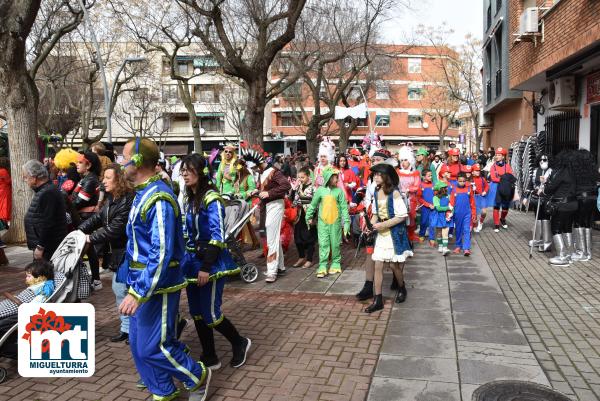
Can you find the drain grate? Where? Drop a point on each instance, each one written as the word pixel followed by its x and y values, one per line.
pixel 513 390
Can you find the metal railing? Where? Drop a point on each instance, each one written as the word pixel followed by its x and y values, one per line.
pixel 562 131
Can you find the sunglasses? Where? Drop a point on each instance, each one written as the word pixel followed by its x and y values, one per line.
pixel 544 159
pixel 227 151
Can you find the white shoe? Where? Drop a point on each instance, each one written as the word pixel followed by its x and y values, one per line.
pixel 445 251
pixel 479 227
pixel 200 393
pixel 97 285
pixel 440 248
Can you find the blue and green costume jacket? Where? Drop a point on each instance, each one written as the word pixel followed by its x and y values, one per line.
pixel 205 240
pixel 155 242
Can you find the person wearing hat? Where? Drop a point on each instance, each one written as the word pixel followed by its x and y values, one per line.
pixel 423 164
pixel 481 188
pixel 462 200
pixel 329 202
pixel 454 165
pixel 410 181
pixel 442 216
pixel 84 199
pixel 497 170
pixel 389 221
pixel 425 197
pixel 226 172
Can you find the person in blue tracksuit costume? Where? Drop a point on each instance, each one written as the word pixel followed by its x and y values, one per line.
pixel 425 198
pixel 207 262
pixel 462 200
pixel 155 279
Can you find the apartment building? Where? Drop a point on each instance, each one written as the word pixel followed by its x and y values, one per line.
pixel 555 52
pixel 507 113
pixel 399 109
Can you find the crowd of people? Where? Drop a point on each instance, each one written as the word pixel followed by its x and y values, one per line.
pixel 159 225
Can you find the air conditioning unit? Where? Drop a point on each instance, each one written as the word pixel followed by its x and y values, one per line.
pixel 276 101
pixel 485 120
pixel 561 93
pixel 529 21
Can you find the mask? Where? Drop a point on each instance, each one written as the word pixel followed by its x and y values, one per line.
pixel 544 165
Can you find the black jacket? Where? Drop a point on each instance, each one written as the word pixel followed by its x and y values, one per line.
pixel 108 225
pixel 86 192
pixel 45 220
pixel 561 184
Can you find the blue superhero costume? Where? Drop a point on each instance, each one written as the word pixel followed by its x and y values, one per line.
pixel 204 229
pixel 463 201
pixel 155 279
pixel 426 200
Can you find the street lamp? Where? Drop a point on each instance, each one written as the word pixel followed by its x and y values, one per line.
pixel 130 59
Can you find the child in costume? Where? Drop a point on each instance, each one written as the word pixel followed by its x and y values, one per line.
pixel 391 245
pixel 462 200
pixel 454 165
pixel 425 196
pixel 497 170
pixel 481 187
pixel 442 217
pixel 331 203
pixel 226 173
pixel 305 234
pixel 410 180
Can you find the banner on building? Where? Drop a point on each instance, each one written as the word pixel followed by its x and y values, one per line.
pixel 593 88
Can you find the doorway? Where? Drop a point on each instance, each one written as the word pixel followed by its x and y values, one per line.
pixel 595 131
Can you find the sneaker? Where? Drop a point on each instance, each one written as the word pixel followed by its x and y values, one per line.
pixel 281 272
pixel 450 235
pixel 503 223
pixel 140 384
pixel 421 239
pixel 335 271
pixel 440 248
pixel 478 227
pixel 445 251
pixel 496 229
pixel 456 250
pixel 240 352
pixel 467 253
pixel 97 285
pixel 271 278
pixel 212 363
pixel 201 392
pixel 321 274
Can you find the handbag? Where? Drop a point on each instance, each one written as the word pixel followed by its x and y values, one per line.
pixel 551 208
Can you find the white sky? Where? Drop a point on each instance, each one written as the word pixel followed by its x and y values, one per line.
pixel 463 16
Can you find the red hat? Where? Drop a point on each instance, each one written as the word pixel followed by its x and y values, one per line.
pixel 355 152
pixel 454 152
pixel 501 151
pixel 467 169
pixel 475 167
pixel 443 169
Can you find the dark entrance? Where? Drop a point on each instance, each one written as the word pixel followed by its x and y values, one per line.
pixel 562 131
pixel 595 131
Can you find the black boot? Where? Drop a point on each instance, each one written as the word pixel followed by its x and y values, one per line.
pixel 401 296
pixel 394 285
pixel 366 292
pixel 239 344
pixel 207 339
pixel 376 305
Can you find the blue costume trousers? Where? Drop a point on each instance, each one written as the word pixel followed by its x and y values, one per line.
pixel 205 302
pixel 426 214
pixel 157 354
pixel 462 221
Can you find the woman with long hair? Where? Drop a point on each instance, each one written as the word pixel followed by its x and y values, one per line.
pixel 243 187
pixel 562 206
pixel 585 171
pixel 207 262
pixel 107 227
pixel 348 179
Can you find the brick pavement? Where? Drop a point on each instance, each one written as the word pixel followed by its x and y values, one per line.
pixel 557 308
pixel 307 346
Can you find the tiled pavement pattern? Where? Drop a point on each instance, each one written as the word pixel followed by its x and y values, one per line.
pixel 557 308
pixel 306 347
pixel 454 333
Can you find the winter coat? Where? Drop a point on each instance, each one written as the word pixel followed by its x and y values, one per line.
pixel 86 192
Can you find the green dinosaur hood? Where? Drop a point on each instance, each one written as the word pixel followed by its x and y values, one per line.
pixel 328 172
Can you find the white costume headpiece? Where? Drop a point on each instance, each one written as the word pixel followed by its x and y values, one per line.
pixel 406 153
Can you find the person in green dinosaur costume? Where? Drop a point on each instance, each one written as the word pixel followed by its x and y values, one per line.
pixel 330 201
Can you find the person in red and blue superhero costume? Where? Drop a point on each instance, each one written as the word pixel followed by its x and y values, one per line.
pixel 462 200
pixel 154 249
pixel 454 165
pixel 425 197
pixel 498 169
pixel 207 262
pixel 481 187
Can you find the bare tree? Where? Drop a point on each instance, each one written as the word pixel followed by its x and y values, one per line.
pixel 460 70
pixel 40 26
pixel 441 108
pixel 245 37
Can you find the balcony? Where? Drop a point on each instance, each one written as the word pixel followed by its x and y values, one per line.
pixel 498 82
pixel 488 91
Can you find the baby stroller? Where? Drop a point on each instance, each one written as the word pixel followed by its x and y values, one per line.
pixel 70 282
pixel 237 214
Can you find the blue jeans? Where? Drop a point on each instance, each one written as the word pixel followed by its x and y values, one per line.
pixel 120 291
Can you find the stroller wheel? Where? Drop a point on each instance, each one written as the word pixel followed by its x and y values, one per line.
pixel 3 375
pixel 249 272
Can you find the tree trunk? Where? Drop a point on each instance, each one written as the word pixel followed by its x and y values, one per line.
pixel 345 133
pixel 255 112
pixel 312 133
pixel 22 128
pixel 186 98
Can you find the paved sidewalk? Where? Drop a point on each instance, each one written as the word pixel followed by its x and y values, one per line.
pixel 454 333
pixel 557 308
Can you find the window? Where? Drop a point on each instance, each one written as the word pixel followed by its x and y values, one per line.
pixel 498 5
pixel 206 93
pixel 182 67
pixel 415 121
pixel 169 92
pixel 382 121
pixel 414 65
pixel 489 16
pixel 362 122
pixel 141 94
pixel 323 91
pixel 98 122
pixel 293 91
pixel 139 123
pixel 415 92
pixel 214 123
pixel 290 119
pixel 455 123
pixel 382 90
pixel 205 63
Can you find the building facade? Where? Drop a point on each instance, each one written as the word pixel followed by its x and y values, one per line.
pixel 508 114
pixel 556 54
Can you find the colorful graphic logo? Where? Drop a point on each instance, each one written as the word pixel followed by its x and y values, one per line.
pixel 56 340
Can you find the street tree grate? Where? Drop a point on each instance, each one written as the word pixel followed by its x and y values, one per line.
pixel 514 390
